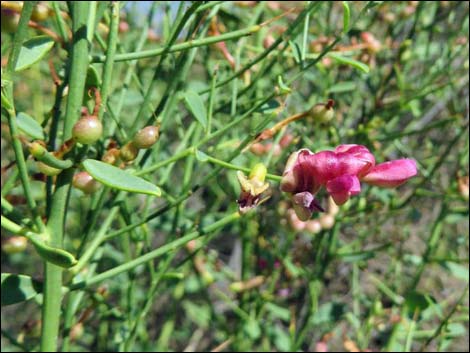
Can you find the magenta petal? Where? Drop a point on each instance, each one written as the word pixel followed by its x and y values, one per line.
pixel 305 171
pixel 341 188
pixel 354 160
pixel 325 166
pixel 391 174
pixel 346 148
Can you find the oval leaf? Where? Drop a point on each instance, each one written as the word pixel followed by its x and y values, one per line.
pixel 29 126
pixel 18 288
pixel 119 179
pixel 32 51
pixel 195 104
pixel 351 62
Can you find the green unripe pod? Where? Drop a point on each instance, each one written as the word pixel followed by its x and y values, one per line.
pixel 85 182
pixel 87 130
pixel 146 137
pixel 40 13
pixel 47 170
pixel 322 112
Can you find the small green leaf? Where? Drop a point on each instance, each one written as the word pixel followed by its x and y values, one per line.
pixel 269 107
pixel 341 87
pixel 455 329
pixel 328 313
pixel 296 51
pixel 56 256
pixel 6 102
pixel 18 288
pixel 346 16
pixel 92 77
pixel 196 106
pixel 201 156
pixel 417 302
pixel 351 62
pixel 372 4
pixel 282 340
pixel 32 51
pixel 282 86
pixel 198 313
pixel 278 311
pixel 458 271
pixel 29 126
pixel 119 179
pixel 252 328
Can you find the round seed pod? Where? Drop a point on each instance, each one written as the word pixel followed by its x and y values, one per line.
pixel 40 13
pixel 10 20
pixel 322 112
pixel 327 221
pixel 313 226
pixel 85 182
pixel 128 152
pixel 146 137
pixel 87 130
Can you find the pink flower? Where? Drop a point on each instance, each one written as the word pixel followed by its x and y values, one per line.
pixel 391 174
pixel 340 172
pixel 342 187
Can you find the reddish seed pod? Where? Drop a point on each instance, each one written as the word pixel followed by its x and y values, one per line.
pixel 87 130
pixel 14 245
pixel 110 156
pixel 146 137
pixel 128 152
pixel 313 226
pixel 294 221
pixel 327 221
pixel 268 41
pixel 258 149
pixel 40 13
pixel 10 20
pixel 85 182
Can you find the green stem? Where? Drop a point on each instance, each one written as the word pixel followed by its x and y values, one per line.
pixel 176 157
pixel 210 108
pixel 78 66
pixel 51 309
pixel 60 21
pixel 19 38
pixel 11 113
pixel 53 274
pixel 23 170
pixel 17 229
pixel 181 46
pixel 181 20
pixel 110 53
pixel 236 167
pixel 129 74
pixel 174 245
pixel 91 20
